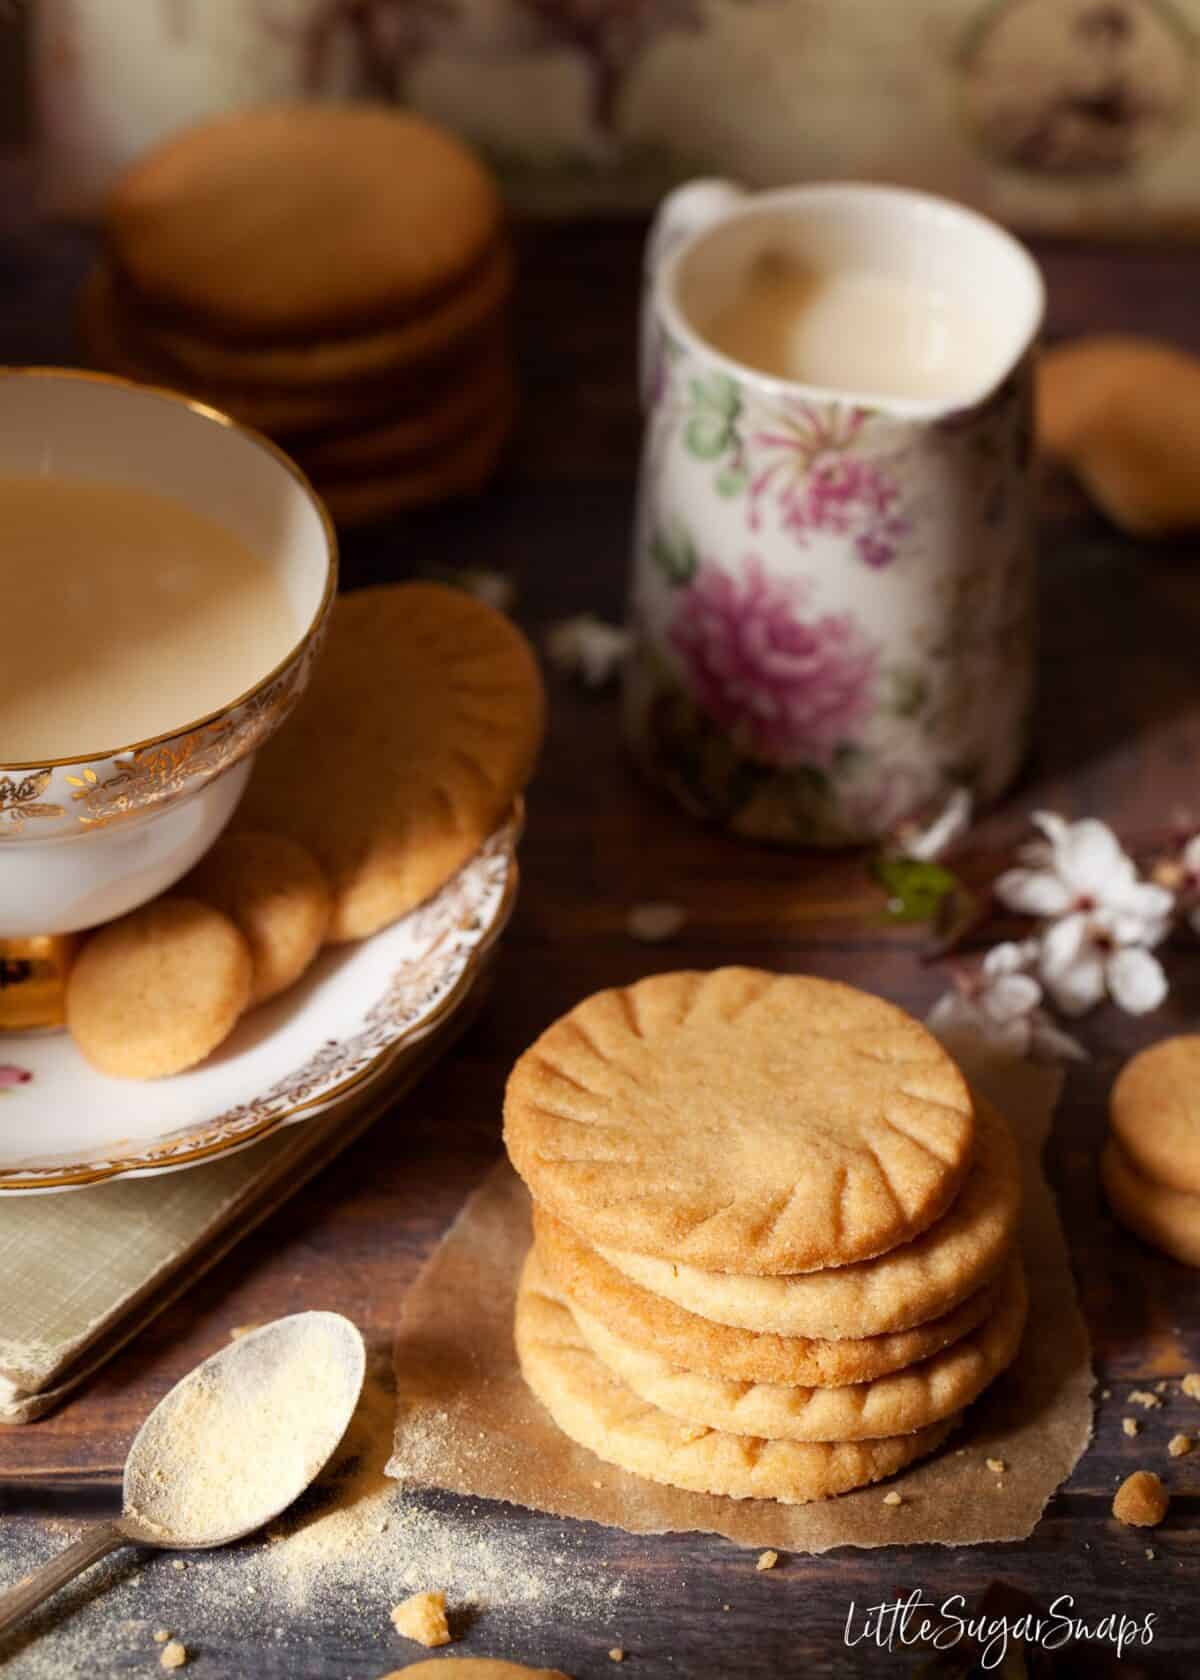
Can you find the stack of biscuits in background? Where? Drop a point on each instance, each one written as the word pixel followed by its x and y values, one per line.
pixel 1151 1161
pixel 774 1233
pixel 420 727
pixel 338 277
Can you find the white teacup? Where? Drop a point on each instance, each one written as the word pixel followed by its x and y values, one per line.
pixel 86 837
pixel 833 585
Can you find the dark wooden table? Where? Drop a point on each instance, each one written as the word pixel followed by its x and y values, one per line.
pixel 1118 736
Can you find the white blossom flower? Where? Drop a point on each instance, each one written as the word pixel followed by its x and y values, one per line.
pixel 1078 867
pixel 929 841
pixel 1001 1004
pixel 1102 919
pixel 587 647
pixel 1090 954
pixel 1189 885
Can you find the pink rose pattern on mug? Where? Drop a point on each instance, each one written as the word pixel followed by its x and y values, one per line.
pixel 832 604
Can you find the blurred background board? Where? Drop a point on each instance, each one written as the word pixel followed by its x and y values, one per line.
pixel 1073 116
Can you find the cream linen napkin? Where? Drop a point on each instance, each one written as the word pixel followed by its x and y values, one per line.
pixel 83 1271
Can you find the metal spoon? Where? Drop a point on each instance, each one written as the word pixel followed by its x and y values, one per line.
pixel 234 1378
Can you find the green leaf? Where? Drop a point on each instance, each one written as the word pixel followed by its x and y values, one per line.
pixel 916 891
pixel 707 435
pixel 677 560
pixel 731 481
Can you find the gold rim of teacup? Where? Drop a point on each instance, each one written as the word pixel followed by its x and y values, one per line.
pixel 205 411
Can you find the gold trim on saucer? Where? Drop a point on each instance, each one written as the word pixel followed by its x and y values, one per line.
pixel 351 1063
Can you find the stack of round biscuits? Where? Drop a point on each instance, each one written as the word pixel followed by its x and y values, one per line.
pixel 1151 1162
pixel 336 276
pixel 775 1234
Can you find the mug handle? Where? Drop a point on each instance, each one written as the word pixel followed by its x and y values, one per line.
pixel 687 210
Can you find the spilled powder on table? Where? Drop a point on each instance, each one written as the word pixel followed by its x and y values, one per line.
pixel 360 1533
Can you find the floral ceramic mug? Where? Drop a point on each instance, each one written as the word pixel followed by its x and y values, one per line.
pixel 833 590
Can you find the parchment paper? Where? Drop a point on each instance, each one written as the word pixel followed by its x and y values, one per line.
pixel 466 1421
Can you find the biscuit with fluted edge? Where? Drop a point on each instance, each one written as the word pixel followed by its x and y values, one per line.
pixel 957 1255
pixel 1154 1112
pixel 461 469
pixel 443 332
pixel 741 1121
pixel 272 889
pixel 598 1411
pixel 158 990
pixel 721 1350
pixel 418 730
pixel 278 222
pixel 908 1399
pixel 1167 1219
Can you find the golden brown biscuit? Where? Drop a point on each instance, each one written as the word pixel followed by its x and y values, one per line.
pixel 272 889
pixel 461 469
pixel 720 1350
pixel 1154 1111
pixel 910 1285
pixel 420 726
pixel 599 1412
pixel 1167 1219
pixel 422 434
pixel 158 990
pixel 283 221
pixel 1124 413
pixel 907 1399
pixel 114 344
pixel 740 1121
pixel 444 331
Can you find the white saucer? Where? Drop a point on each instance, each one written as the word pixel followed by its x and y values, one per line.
pixel 343 1025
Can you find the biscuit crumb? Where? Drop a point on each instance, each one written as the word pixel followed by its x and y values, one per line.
pixel 616 1654
pixel 997 1466
pixel 1106 1394
pixel 654 923
pixel 1151 1553
pixel 423 1618
pixel 1180 1445
pixel 178 1563
pixel 240 1330
pixel 1161 1387
pixel 174 1655
pixel 161 1635
pixel 893 1498
pixel 1191 1385
pixel 1143 1397
pixel 1130 1425
pixel 767 1560
pixel 1141 1501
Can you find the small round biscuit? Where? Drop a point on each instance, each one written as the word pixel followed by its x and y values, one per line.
pixel 158 990
pixel 273 890
pixel 112 341
pixel 1155 1112
pixel 462 469
pixel 440 334
pixel 721 1350
pixel 1167 1219
pixel 908 1399
pixel 959 1253
pixel 596 1410
pixel 420 727
pixel 741 1121
pixel 281 221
